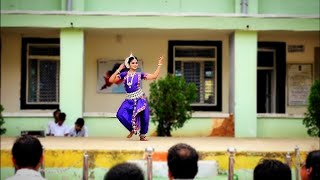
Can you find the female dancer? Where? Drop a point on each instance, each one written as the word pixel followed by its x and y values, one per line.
pixel 134 111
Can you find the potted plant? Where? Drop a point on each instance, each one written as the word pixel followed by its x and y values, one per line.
pixel 312 117
pixel 170 100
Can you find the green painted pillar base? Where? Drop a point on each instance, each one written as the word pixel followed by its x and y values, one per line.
pixel 244 77
pixel 71 73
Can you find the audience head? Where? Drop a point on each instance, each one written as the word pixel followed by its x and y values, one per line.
pixel 310 170
pixel 56 115
pixel 27 152
pixel 79 124
pixel 62 118
pixel 271 169
pixel 124 171
pixel 182 161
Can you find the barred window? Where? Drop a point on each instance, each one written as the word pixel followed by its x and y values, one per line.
pixel 41 67
pixel 197 65
pixel 198 62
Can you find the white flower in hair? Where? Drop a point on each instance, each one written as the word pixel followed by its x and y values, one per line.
pixel 126 62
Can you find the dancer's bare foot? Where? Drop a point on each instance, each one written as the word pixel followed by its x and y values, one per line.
pixel 143 138
pixel 131 134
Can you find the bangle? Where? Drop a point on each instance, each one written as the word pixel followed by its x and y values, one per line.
pixel 159 64
pixel 118 71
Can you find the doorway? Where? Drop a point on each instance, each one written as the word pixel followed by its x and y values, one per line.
pixel 271 71
pixel 266 82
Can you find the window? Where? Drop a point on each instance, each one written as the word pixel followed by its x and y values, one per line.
pixel 199 62
pixel 40 73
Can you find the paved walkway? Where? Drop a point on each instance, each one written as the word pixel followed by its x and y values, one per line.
pixel 213 144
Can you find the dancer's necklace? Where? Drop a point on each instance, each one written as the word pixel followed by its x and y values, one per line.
pixel 132 76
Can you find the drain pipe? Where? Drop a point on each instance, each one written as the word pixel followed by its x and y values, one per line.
pixel 244 6
pixel 69 5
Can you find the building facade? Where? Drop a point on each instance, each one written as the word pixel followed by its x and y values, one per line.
pixel 253 61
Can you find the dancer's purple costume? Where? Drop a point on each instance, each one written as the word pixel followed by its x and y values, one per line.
pixel 134 111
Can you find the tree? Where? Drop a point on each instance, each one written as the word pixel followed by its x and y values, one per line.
pixel 170 100
pixel 2 130
pixel 312 117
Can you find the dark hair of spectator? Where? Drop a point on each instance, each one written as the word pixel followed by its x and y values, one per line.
pixel 62 116
pixel 56 111
pixel 27 151
pixel 273 169
pixel 80 122
pixel 313 160
pixel 183 161
pixel 124 171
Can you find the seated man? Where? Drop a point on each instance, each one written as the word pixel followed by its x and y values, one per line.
pixel 79 129
pixel 60 129
pixel 27 156
pixel 272 169
pixel 182 162
pixel 124 171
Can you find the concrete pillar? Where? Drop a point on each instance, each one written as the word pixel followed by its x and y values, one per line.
pixel 243 82
pixel 72 73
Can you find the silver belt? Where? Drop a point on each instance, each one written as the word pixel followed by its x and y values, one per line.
pixel 135 95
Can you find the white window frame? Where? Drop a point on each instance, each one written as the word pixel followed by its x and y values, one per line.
pixel 274 75
pixel 41 58
pixel 202 61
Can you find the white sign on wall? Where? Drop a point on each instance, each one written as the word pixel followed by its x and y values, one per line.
pixel 299 83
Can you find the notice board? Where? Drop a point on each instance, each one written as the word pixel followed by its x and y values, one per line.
pixel 299 83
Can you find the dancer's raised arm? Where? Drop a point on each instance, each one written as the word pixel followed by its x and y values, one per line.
pixel 114 78
pixel 157 71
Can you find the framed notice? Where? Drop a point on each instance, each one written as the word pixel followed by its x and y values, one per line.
pixel 299 83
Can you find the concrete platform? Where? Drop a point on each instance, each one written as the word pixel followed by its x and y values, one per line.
pixel 213 144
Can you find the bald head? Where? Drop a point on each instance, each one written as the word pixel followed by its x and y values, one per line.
pixel 183 161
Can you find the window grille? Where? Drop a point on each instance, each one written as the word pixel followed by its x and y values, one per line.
pixel 198 65
pixel 43 74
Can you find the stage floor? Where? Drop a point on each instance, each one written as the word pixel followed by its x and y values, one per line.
pixel 207 144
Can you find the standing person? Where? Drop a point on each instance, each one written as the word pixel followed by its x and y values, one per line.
pixel 310 170
pixel 60 129
pixel 27 156
pixel 134 111
pixel 51 124
pixel 79 129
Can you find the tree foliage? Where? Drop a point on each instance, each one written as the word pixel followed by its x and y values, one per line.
pixel 2 130
pixel 312 117
pixel 170 100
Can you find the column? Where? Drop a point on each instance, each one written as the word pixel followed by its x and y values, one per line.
pixel 243 82
pixel 72 73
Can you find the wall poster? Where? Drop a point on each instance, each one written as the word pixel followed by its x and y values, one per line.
pixel 105 68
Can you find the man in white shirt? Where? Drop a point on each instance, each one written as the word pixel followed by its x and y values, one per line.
pixel 79 130
pixel 60 129
pixel 51 124
pixel 27 156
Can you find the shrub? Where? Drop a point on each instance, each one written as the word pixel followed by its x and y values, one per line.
pixel 170 100
pixel 2 130
pixel 312 117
